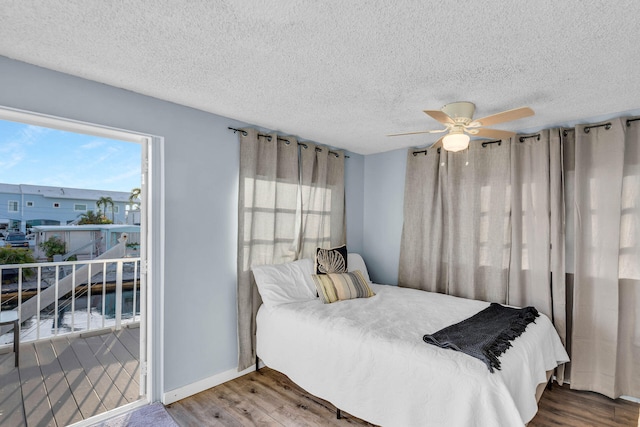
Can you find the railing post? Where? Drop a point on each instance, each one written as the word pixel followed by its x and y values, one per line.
pixel 135 276
pixel 19 302
pixel 57 302
pixel 104 292
pixel 118 295
pixel 73 298
pixel 89 296
pixel 38 303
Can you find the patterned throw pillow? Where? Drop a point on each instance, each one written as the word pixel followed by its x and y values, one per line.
pixel 334 287
pixel 332 260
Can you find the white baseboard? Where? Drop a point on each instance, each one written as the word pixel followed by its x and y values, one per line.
pixel 195 388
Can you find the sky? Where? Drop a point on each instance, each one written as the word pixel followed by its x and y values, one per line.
pixel 43 156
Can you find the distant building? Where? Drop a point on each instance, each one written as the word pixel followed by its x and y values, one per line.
pixel 86 241
pixel 23 206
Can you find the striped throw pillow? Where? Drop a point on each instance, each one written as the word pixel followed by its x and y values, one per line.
pixel 334 287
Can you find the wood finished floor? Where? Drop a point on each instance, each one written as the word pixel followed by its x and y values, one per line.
pixel 67 379
pixel 269 398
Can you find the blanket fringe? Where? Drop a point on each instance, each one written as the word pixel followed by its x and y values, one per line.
pixel 503 340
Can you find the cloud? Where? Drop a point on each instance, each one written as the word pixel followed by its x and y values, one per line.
pixel 11 154
pixel 123 176
pixel 13 151
pixel 31 134
pixel 93 144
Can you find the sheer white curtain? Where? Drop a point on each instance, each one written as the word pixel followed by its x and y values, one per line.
pixel 290 200
pixel 606 309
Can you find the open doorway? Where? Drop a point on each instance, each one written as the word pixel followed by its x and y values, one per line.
pixel 73 268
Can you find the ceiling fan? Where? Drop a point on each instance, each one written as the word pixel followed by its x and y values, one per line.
pixel 457 118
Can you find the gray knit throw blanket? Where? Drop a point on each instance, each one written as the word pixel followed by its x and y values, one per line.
pixel 487 334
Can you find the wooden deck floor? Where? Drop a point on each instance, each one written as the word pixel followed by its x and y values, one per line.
pixel 68 379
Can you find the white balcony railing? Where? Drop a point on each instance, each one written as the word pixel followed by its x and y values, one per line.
pixel 56 298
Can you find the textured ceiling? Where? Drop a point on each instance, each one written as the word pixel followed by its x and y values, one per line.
pixel 345 73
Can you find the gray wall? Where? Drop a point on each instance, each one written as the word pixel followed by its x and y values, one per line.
pixel 201 158
pixel 384 176
pixel 354 201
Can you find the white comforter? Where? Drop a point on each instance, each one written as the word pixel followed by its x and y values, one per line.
pixel 367 357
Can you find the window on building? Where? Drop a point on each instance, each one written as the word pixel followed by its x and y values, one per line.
pixel 13 206
pixel 29 204
pixel 80 207
pixel 56 205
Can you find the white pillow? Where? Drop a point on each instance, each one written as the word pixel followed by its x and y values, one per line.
pixel 285 283
pixel 355 262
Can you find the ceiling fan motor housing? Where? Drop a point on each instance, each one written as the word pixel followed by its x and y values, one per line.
pixel 460 112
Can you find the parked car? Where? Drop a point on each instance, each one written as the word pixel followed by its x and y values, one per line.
pixel 16 240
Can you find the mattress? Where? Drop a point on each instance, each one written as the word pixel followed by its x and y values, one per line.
pixel 367 357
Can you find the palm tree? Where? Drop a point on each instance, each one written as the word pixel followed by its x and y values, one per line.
pixel 91 217
pixel 106 202
pixel 134 197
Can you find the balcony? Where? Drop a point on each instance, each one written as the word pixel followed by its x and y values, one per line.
pixel 79 340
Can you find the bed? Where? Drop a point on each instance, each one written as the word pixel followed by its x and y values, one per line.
pixel 367 357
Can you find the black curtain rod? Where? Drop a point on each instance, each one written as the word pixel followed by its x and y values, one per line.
pixel 268 137
pixel 632 120
pixel 318 149
pixel 260 135
pixel 497 141
pixel 565 132
pixel 607 126
pixel 243 132
pixel 484 144
pixel 522 138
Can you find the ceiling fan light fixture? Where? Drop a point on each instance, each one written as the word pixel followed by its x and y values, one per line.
pixel 455 142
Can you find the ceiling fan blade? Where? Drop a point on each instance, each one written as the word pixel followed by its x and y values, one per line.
pixel 419 132
pixel 440 116
pixel 494 133
pixel 505 116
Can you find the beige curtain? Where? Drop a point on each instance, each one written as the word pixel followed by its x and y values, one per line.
pixel 478 210
pixel 322 216
pixel 537 265
pixel 455 235
pixel 267 204
pixel 488 224
pixel 423 252
pixel 606 308
pixel 290 200
pixel 569 206
pixel 557 252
